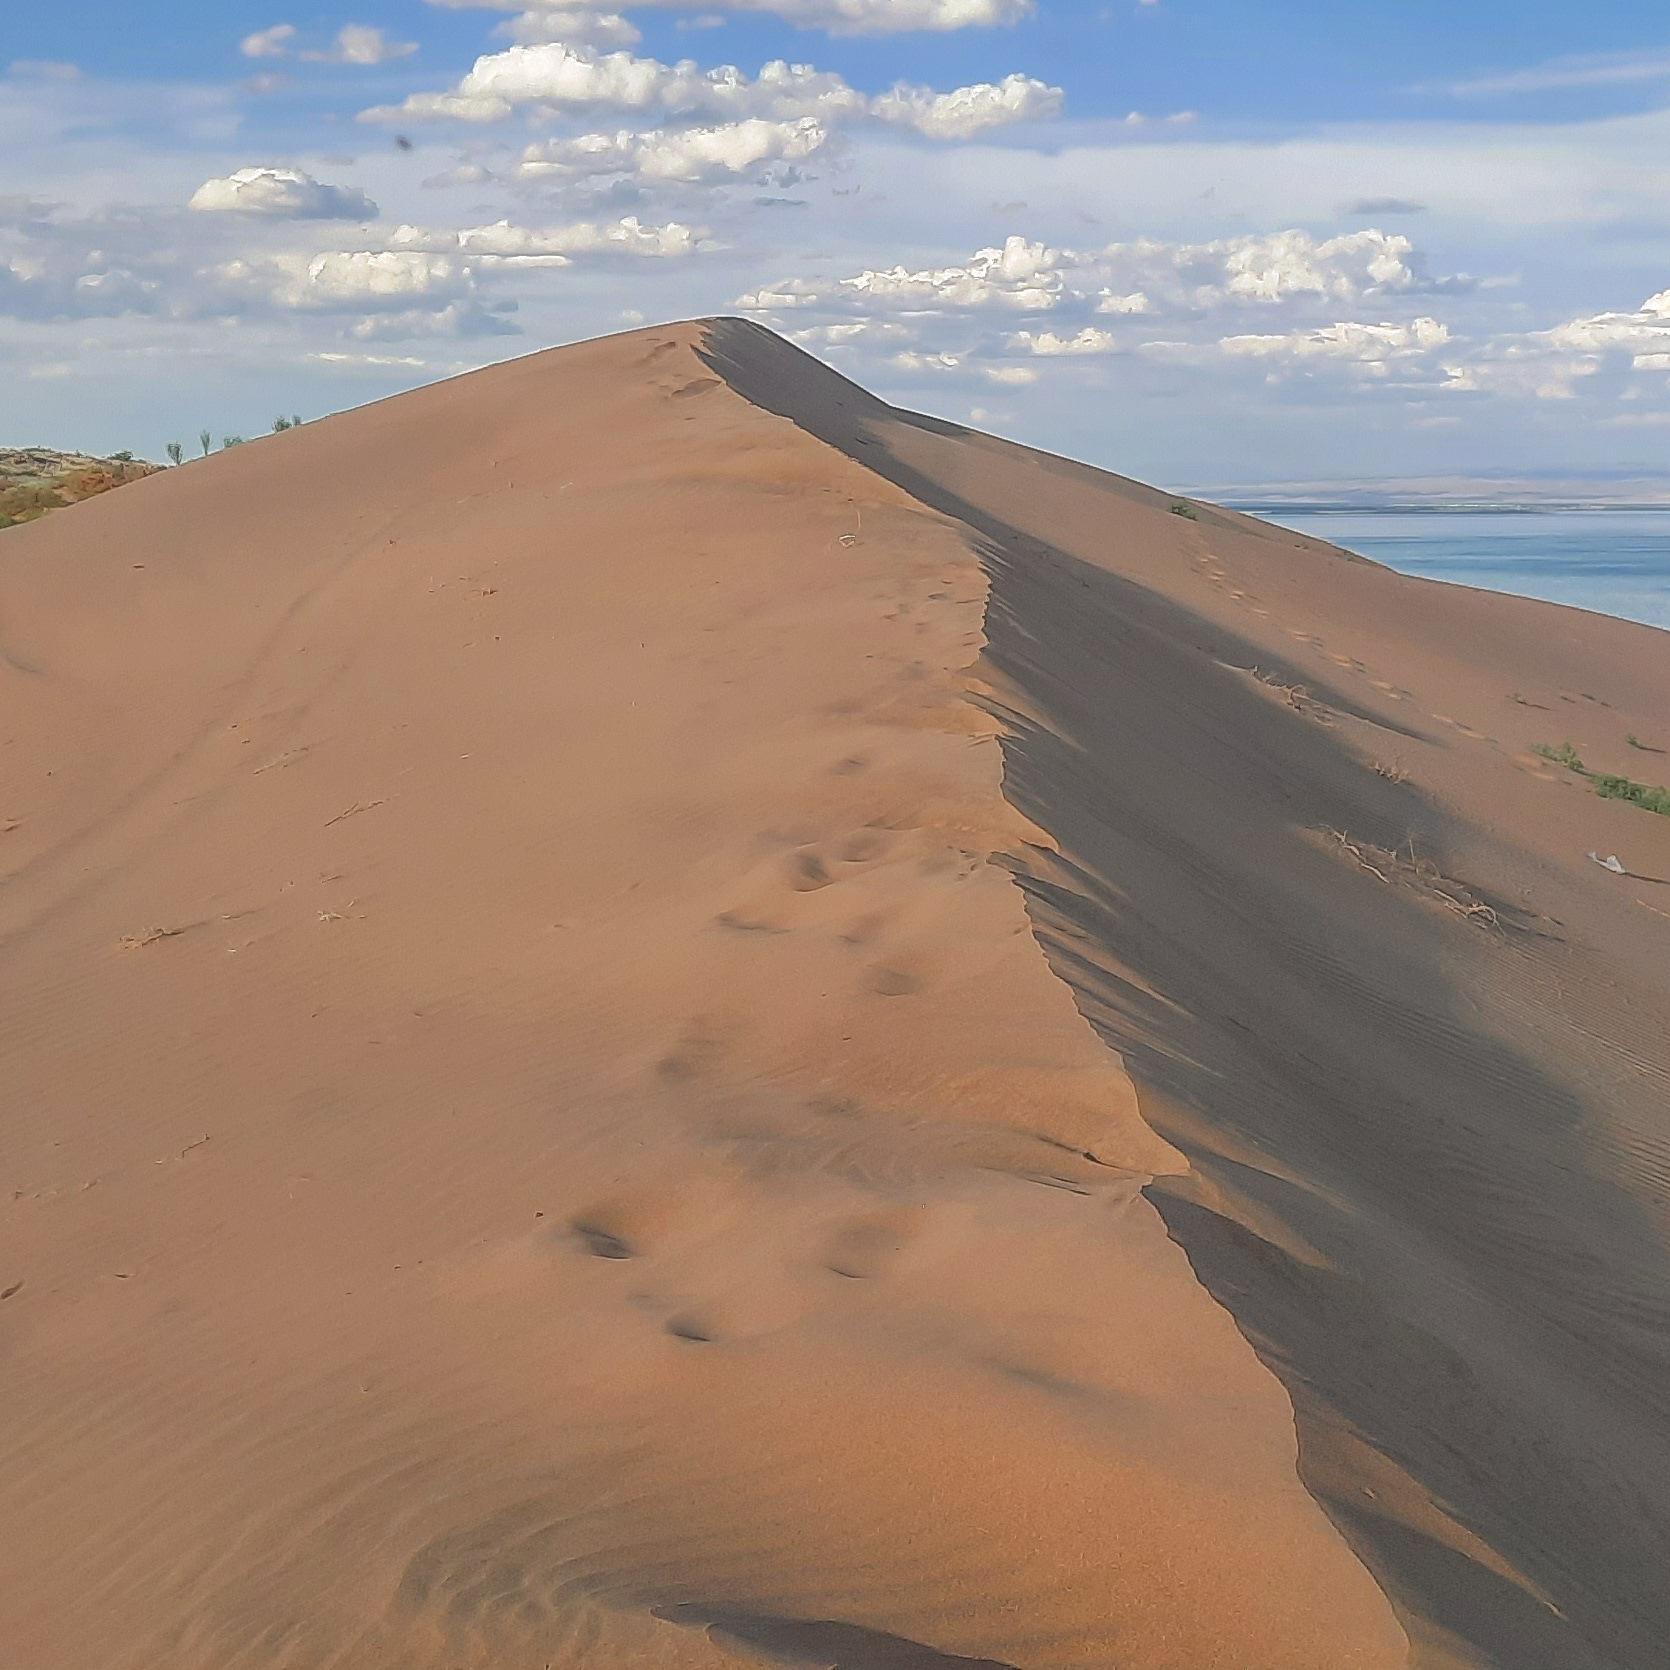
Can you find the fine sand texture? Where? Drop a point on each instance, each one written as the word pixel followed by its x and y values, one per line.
pixel 654 1015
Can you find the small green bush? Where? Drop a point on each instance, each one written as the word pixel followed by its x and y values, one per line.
pixel 1180 507
pixel 1648 796
pixel 1564 755
pixel 175 452
pixel 1653 798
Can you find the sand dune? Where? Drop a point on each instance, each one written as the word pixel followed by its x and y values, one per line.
pixel 653 1014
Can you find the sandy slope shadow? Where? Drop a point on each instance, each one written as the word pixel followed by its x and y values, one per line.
pixel 1409 1200
pixel 830 1646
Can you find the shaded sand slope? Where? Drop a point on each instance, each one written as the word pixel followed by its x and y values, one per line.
pixel 535 1130
pixel 1336 916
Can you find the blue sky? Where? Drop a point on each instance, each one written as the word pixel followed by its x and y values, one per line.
pixel 1193 240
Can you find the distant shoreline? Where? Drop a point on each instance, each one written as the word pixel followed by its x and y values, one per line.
pixel 1427 507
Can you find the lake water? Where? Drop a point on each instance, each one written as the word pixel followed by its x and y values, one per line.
pixel 1613 561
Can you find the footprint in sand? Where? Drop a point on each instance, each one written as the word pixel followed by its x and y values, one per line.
pixel 808 872
pixel 695 1326
pixel 620 1229
pixel 888 981
pixel 865 1248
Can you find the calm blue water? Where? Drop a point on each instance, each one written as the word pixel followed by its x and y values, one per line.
pixel 1613 561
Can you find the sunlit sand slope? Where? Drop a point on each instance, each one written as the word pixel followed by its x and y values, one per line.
pixel 538 1128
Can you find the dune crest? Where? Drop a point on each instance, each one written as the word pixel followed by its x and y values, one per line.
pixel 1320 877
pixel 540 1130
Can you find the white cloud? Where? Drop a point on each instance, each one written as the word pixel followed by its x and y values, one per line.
pixel 1271 270
pixel 43 69
pixel 835 17
pixel 283 193
pixel 370 277
pixel 578 25
pixel 359 43
pixel 691 154
pixel 554 76
pixel 1090 340
pixel 969 110
pixel 882 17
pixel 507 243
pixel 1288 263
pixel 563 77
pixel 355 43
pixel 1644 334
pixel 1596 70
pixel 1553 364
pixel 1368 344
pixel 269 43
pixel 1020 275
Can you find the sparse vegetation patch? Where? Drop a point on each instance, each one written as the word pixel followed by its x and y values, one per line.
pixel 37 480
pixel 1649 796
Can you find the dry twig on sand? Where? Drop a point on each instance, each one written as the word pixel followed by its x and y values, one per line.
pixel 358 806
pixel 133 942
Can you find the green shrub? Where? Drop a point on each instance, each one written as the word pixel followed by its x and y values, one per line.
pixel 1564 755
pixel 1650 797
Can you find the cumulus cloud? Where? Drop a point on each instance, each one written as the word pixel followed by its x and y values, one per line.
pixel 560 75
pixel 969 110
pixel 1020 275
pixel 361 279
pixel 285 193
pixel 1090 340
pixel 1644 334
pixel 1553 364
pixel 689 154
pixel 1147 276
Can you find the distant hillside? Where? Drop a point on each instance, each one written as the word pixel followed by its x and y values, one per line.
pixel 35 480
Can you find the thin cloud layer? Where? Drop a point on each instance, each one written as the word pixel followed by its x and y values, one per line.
pixel 834 17
pixel 355 43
